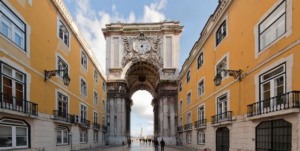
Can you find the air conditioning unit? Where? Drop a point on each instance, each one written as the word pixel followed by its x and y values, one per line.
pixel 77 120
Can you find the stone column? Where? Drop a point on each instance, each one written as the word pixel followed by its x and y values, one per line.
pixel 117 96
pixel 167 112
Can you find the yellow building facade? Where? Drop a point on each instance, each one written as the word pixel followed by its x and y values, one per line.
pixel 239 87
pixel 53 92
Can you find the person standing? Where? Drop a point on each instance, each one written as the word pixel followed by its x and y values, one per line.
pixel 162 144
pixel 156 144
pixel 129 142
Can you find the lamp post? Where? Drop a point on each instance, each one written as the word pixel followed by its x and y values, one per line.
pixel 66 78
pixel 234 73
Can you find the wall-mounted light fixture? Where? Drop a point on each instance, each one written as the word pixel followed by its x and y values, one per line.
pixel 235 73
pixel 66 78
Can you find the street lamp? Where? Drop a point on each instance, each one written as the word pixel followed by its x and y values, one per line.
pixel 66 78
pixel 235 73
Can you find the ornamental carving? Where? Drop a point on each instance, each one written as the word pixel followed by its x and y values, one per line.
pixel 142 48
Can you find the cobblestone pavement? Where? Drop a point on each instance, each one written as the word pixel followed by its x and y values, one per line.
pixel 137 146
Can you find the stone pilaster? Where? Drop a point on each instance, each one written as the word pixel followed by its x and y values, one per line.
pixel 118 113
pixel 167 113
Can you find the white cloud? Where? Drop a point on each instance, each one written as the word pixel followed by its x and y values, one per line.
pixel 142 105
pixel 91 21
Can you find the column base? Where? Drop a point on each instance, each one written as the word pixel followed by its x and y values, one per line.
pixel 117 140
pixel 168 140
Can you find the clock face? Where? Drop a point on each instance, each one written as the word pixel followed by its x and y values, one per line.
pixel 141 46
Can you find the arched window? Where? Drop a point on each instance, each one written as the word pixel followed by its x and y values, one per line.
pixel 62 135
pixel 13 134
pixel 274 135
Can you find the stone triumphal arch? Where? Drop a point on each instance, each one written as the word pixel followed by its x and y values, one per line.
pixel 142 56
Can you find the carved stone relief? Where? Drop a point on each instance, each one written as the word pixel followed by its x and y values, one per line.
pixel 142 48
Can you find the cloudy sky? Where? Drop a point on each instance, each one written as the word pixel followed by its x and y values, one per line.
pixel 92 15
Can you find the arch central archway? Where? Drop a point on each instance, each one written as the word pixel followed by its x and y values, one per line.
pixel 142 56
pixel 142 76
pixel 142 118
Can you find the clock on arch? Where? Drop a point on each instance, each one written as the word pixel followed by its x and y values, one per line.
pixel 141 44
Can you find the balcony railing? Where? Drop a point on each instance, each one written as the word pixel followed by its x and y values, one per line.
pixel 85 123
pixel 188 126
pixel 20 105
pixel 223 117
pixel 96 126
pixel 282 102
pixel 180 128
pixel 104 128
pixel 200 123
pixel 62 116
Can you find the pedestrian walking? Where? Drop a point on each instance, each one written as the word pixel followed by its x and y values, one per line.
pixel 129 143
pixel 156 144
pixel 162 144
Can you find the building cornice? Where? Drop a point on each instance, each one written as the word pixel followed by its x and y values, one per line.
pixel 133 28
pixel 205 33
pixel 64 12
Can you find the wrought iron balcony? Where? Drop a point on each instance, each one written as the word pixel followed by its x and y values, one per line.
pixel 104 128
pixel 200 123
pixel 62 116
pixel 180 128
pixel 223 117
pixel 96 126
pixel 85 123
pixel 281 102
pixel 188 126
pixel 16 104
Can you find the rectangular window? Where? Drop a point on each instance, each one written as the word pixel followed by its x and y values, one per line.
pixel 180 87
pixel 103 86
pixel 189 137
pixel 180 106
pixel 63 33
pixel 83 112
pixel 221 33
pixel 169 52
pixel 62 102
pixel 188 76
pixel 62 137
pixel 96 136
pixel 201 88
pixel 200 60
pixel 96 76
pixel 103 105
pixel 62 65
pixel 83 87
pixel 13 87
pixel 83 136
pixel 272 86
pixel 95 117
pixel 188 98
pixel 95 98
pixel 222 65
pixel 103 121
pixel 12 27
pixel 83 60
pixel 272 27
pixel 222 106
pixel 201 113
pixel 189 118
pixel 13 137
pixel 201 138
